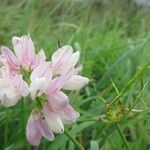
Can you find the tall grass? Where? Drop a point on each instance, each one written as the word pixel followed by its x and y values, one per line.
pixel 114 43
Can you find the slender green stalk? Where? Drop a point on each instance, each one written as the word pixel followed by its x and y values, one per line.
pixel 6 130
pixel 136 100
pixel 128 85
pixel 22 115
pixel 80 147
pixel 122 136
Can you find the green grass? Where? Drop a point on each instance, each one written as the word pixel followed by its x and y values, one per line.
pixel 114 42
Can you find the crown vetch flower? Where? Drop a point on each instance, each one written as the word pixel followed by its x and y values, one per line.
pixel 26 72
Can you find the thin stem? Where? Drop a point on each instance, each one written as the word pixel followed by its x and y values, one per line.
pixel 6 129
pixel 136 100
pixel 80 147
pixel 23 118
pixel 128 85
pixel 122 136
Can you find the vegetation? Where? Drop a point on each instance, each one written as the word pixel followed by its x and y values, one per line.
pixel 115 52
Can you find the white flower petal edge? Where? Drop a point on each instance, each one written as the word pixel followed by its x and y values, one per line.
pixel 76 82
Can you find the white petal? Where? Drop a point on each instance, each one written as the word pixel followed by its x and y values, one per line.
pixel 9 97
pixel 17 47
pixel 54 123
pixel 74 59
pixel 37 86
pixel 76 82
pixel 43 70
pixel 52 119
pixel 62 54
pixel 41 55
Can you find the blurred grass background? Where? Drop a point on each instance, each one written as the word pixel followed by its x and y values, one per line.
pixel 114 41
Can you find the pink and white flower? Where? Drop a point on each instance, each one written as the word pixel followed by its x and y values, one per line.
pixel 46 85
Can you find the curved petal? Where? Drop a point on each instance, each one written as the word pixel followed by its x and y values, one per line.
pixel 43 70
pixel 41 55
pixel 37 87
pixel 16 41
pixel 11 58
pixel 61 57
pixel 58 82
pixel 33 135
pixel 45 132
pixel 53 121
pixel 57 100
pixel 74 59
pixel 25 51
pixel 9 97
pixel 18 83
pixel 69 115
pixel 76 82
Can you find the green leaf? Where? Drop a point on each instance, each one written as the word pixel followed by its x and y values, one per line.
pixel 94 145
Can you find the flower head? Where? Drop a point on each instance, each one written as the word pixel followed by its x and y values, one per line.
pixel 26 72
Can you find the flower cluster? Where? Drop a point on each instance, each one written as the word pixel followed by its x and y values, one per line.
pixel 25 73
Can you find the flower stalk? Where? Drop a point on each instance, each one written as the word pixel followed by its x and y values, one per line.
pixel 80 147
pixel 132 81
pixel 122 136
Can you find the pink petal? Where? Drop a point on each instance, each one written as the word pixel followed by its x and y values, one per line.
pixel 58 82
pixel 57 100
pixel 69 115
pixel 45 132
pixel 25 51
pixel 33 135
pixel 11 58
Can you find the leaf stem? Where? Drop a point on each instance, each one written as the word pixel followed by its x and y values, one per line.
pixel 22 115
pixel 80 147
pixel 128 85
pixel 122 136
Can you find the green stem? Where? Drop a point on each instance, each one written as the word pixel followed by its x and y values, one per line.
pixel 136 100
pixel 6 129
pixel 122 136
pixel 23 118
pixel 80 147
pixel 128 85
